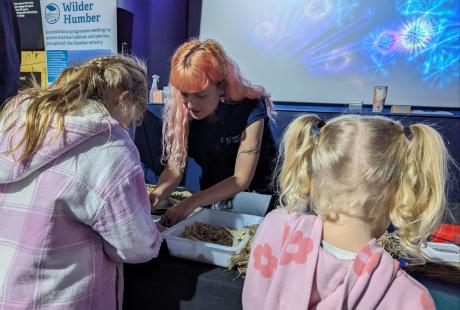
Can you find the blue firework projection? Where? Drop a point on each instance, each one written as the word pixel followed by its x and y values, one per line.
pixel 429 33
pixel 354 37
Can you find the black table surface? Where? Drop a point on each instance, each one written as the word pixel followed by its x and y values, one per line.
pixel 168 283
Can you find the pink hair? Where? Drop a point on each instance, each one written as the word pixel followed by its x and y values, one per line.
pixel 194 65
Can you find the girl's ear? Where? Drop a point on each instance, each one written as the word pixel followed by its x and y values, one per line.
pixel 121 98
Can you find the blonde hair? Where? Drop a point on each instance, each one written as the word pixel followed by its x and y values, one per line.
pixel 367 166
pixel 194 65
pixel 75 88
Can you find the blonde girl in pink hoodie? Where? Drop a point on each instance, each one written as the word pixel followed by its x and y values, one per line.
pixel 357 174
pixel 73 202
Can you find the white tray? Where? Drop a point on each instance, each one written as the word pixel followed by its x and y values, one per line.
pixel 206 252
pixel 442 252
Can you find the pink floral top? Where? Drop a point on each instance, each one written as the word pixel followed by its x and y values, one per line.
pixel 288 269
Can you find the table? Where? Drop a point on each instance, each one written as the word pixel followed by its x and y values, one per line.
pixel 170 283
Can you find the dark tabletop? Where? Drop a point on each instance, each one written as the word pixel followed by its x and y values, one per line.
pixel 168 282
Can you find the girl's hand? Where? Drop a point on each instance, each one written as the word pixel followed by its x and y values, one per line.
pixel 155 198
pixel 178 212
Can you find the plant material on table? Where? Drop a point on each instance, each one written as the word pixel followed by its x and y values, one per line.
pixel 240 260
pixel 211 233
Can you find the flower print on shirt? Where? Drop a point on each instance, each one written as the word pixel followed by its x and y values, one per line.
pixel 296 248
pixel 425 299
pixel 264 260
pixel 367 266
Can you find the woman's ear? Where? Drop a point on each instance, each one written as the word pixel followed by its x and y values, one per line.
pixel 221 88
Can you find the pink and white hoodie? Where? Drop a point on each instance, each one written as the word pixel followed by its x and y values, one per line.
pixel 289 270
pixel 70 215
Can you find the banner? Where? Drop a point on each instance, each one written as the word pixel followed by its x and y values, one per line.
pixel 75 31
pixel 30 23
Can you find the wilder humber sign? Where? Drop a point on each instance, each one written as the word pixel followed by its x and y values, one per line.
pixel 75 31
pixel 73 13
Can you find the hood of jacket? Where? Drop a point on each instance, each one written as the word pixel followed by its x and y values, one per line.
pixel 79 126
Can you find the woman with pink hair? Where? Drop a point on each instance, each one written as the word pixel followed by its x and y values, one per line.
pixel 221 121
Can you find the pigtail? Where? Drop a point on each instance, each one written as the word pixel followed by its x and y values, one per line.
pixel 420 199
pixel 294 175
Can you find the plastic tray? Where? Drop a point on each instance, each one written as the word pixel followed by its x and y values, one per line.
pixel 442 252
pixel 206 252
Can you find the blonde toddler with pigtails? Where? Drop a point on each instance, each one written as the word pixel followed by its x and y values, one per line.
pixel 356 175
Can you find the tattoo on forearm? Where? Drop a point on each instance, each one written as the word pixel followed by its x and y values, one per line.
pixel 251 150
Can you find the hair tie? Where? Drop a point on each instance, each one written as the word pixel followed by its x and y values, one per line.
pixel 317 127
pixel 407 132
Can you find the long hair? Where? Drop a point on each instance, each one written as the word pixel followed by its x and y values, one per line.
pixel 367 166
pixel 194 65
pixel 75 88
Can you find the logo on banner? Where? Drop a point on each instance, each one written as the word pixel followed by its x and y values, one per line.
pixel 52 13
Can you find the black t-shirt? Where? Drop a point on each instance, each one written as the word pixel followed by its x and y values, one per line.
pixel 214 146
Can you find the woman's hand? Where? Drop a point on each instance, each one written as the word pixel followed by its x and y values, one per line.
pixel 178 212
